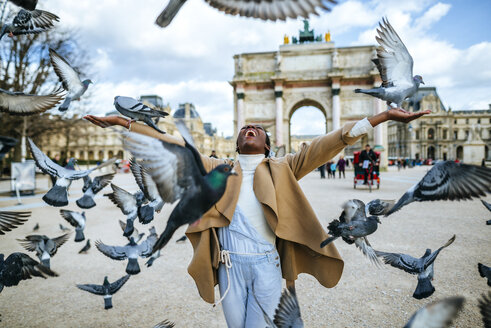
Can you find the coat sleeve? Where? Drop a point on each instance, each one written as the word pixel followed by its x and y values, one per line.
pixel 208 163
pixel 320 151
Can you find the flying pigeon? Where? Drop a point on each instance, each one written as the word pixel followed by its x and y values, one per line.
pixel 137 111
pixel 86 248
pixel 263 9
pixel 288 312
pixel 69 78
pixel 44 246
pixel 485 272
pixel 76 220
pixel 182 239
pixel 18 103
pixel 379 207
pixel 92 187
pixel 179 175
pixel 26 4
pixel 439 314
pixel 354 226
pixel 131 252
pixel 395 66
pixel 135 234
pixel 485 309
pixel 57 195
pixel 128 203
pixel 20 266
pixel 11 220
pixel 6 143
pixel 63 228
pixel 152 259
pixel 448 180
pixel 422 266
pixel 165 324
pixel 30 22
pixel 107 290
pixel 149 189
pixel 36 227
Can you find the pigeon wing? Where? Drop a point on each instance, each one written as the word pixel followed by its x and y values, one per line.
pixel 114 252
pixel 115 286
pixel 123 199
pixel 288 312
pixel 437 314
pixel 60 240
pixel 44 163
pixel 31 241
pixel 145 249
pixel 136 170
pixel 430 259
pixel 401 261
pixel 17 103
pixel 71 217
pixel 133 105
pixel 151 190
pixel 394 62
pixel 66 73
pixel 34 21
pixel 367 250
pixel 20 266
pixel 10 220
pixel 485 309
pixel 101 181
pixel 486 204
pixel 165 324
pixel 93 288
pixel 87 183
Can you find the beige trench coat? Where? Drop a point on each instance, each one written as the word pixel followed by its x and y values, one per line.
pixel 286 209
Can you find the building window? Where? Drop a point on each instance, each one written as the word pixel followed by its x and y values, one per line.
pixel 444 134
pixel 454 121
pixel 417 135
pixel 466 121
pixel 466 134
pixel 431 134
pixel 478 121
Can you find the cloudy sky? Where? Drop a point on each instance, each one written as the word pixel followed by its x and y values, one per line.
pixel 191 60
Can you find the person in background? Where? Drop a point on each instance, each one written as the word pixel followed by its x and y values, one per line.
pixel 322 170
pixel 367 158
pixel 483 163
pixel 333 169
pixel 329 172
pixel 341 166
pixel 213 154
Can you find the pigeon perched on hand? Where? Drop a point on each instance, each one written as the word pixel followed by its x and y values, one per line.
pixel 20 266
pixel 353 226
pixel 422 266
pixel 30 22
pixel 439 314
pixel 149 189
pixel 91 188
pixel 86 248
pixel 179 175
pixel 135 234
pixel 263 9
pixel 76 220
pixel 485 272
pixel 395 66
pixel 44 246
pixel 18 103
pixel 107 290
pixel 11 220
pixel 131 252
pixel 288 312
pixel 69 78
pixel 137 111
pixel 448 180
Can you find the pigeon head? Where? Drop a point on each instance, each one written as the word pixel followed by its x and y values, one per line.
pixel 418 79
pixel 218 176
pixel 5 29
pixel 87 82
pixel 106 281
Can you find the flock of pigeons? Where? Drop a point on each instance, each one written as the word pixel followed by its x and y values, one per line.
pixel 167 172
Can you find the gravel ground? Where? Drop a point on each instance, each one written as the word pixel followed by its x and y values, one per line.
pixel 365 296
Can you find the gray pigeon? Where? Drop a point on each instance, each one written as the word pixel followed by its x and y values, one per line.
pixel 485 309
pixel 30 22
pixel 422 266
pixel 44 246
pixel 19 266
pixel 152 258
pixel 395 66
pixel 263 9
pixel 485 272
pixel 135 234
pixel 63 228
pixel 36 227
pixel 353 226
pixel 76 220
pixel 165 324
pixel 488 206
pixel 149 189
pixel 379 207
pixel 6 143
pixel 137 111
pixel 287 315
pixel 182 239
pixel 128 203
pixel 107 290
pixel 26 4
pixel 69 78
pixel 11 220
pixel 91 188
pixel 131 252
pixel 18 103
pixel 448 180
pixel 439 314
pixel 86 248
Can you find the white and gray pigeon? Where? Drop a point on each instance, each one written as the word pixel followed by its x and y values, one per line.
pixel 6 144
pixel 488 206
pixel 395 66
pixel 19 103
pixel 485 309
pixel 263 9
pixel 137 111
pixel 30 22
pixel 287 315
pixel 91 188
pixel 439 314
pixel 150 191
pixel 106 290
pixel 44 246
pixel 10 220
pixel 485 272
pixel 354 226
pixel 423 267
pixel 131 252
pixel 448 180
pixel 128 203
pixel 26 4
pixel 136 235
pixel 58 195
pixel 76 220
pixel 19 266
pixel 69 78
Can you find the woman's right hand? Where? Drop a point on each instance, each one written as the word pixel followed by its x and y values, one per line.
pixel 105 121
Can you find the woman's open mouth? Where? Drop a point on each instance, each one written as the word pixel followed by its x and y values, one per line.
pixel 251 133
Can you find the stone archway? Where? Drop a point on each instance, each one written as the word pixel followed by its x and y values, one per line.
pixel 298 106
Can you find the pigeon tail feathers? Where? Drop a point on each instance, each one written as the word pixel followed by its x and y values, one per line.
pixel 150 123
pixel 328 241
pixel 56 196
pixel 128 230
pixel 79 235
pixel 86 202
pixel 168 14
pixel 64 107
pixel 424 288
pixel 150 262
pixel 132 267
pixel 108 303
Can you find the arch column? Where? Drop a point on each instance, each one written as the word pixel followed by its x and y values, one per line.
pixel 336 105
pixel 278 94
pixel 240 106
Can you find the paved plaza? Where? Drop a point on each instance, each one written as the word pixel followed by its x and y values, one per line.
pixel 365 296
